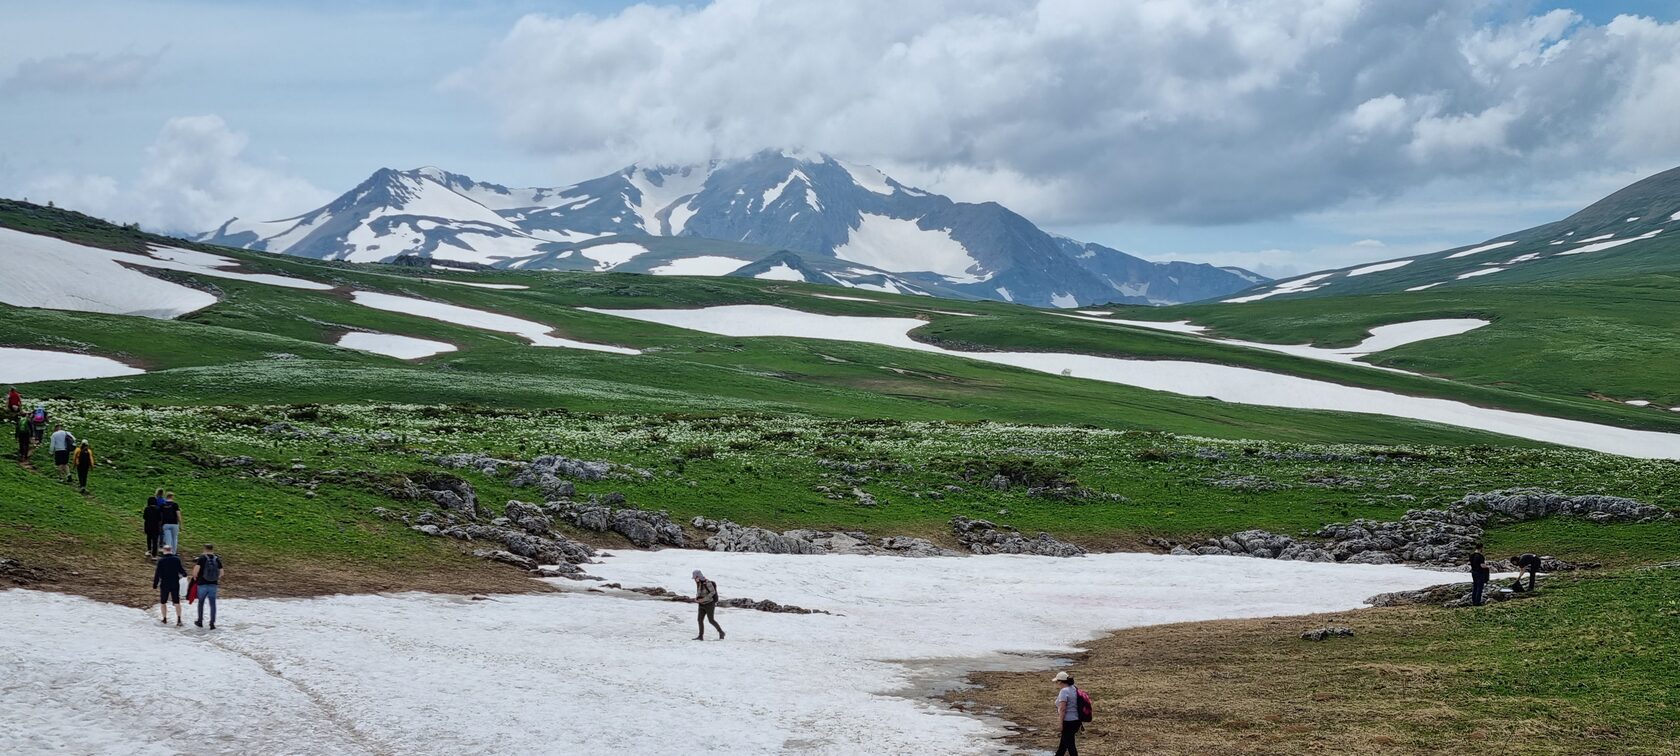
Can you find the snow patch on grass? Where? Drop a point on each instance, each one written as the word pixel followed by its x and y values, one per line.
pixel 536 333
pixel 1601 246
pixel 1379 267
pixel 30 365
pixel 1477 250
pixel 392 345
pixel 703 265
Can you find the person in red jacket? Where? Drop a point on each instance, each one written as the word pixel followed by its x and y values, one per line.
pixel 14 401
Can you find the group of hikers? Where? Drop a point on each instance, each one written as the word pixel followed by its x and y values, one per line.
pixel 30 429
pixel 161 520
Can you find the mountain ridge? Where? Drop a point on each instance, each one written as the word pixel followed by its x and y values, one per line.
pixel 862 227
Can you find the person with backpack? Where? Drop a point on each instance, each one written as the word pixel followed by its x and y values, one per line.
pixel 166 580
pixel 150 522
pixel 14 401
pixel 169 522
pixel 706 596
pixel 62 444
pixel 83 462
pixel 38 424
pixel 24 433
pixel 1073 710
pixel 207 577
pixel 1478 577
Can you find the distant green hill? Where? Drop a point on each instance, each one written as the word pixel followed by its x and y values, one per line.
pixel 1633 232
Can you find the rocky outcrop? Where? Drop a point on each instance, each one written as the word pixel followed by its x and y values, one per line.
pixel 1441 537
pixel 1453 595
pixel 729 536
pixel 984 537
pixel 643 528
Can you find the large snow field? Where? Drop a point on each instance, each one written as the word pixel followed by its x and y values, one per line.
pixel 1199 379
pixel 899 244
pixel 536 333
pixel 30 365
pixel 703 265
pixel 609 673
pixel 41 271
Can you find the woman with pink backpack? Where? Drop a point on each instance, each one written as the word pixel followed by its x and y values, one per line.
pixel 1073 709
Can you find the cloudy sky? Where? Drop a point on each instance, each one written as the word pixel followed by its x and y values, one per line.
pixel 1282 135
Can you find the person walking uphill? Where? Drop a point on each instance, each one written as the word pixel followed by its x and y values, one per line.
pixel 24 434
pixel 1073 710
pixel 166 580
pixel 83 461
pixel 706 596
pixel 150 522
pixel 62 444
pixel 207 575
pixel 169 522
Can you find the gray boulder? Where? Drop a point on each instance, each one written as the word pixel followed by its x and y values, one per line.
pixel 984 537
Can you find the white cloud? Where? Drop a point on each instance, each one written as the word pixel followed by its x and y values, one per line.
pixel 195 176
pixel 81 71
pixel 1182 111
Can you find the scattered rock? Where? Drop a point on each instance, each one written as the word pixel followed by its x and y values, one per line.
pixel 17 573
pixel 498 555
pixel 984 537
pixel 728 536
pixel 1326 633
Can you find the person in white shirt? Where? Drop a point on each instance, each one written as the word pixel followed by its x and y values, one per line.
pixel 62 443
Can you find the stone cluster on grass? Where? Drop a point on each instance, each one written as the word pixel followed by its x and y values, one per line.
pixel 1441 537
pixel 643 528
pixel 984 537
pixel 1326 633
pixel 730 536
pixel 522 536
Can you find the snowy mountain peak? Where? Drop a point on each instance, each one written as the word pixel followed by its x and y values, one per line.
pixel 843 223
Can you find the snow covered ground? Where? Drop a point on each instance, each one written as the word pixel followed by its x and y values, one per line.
pixel 477 285
pixel 392 345
pixel 1200 379
pixel 536 333
pixel 606 673
pixel 29 365
pixel 41 271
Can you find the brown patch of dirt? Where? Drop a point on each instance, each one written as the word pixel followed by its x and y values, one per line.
pixel 123 575
pixel 1255 687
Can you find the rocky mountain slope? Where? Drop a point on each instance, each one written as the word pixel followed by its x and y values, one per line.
pixel 809 218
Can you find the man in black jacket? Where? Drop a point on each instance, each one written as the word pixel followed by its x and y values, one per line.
pixel 166 580
pixel 1478 577
pixel 1528 563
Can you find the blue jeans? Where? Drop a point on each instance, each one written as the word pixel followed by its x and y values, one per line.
pixel 207 595
pixel 172 536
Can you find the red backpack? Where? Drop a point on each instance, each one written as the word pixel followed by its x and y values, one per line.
pixel 1084 704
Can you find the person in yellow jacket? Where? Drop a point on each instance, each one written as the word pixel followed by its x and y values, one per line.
pixel 83 460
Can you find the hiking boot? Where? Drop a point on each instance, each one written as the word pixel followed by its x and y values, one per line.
pixel 178 622
pixel 722 635
pixel 212 626
pixel 198 623
pixel 697 637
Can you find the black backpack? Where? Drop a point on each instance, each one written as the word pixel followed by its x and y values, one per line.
pixel 210 572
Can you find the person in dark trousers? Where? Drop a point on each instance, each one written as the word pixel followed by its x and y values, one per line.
pixel 207 573
pixel 166 580
pixel 24 434
pixel 38 425
pixel 151 522
pixel 63 443
pixel 1067 713
pixel 169 522
pixel 82 460
pixel 1478 577
pixel 1526 563
pixel 706 596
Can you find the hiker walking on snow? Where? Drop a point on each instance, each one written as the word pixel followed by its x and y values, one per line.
pixel 706 596
pixel 1527 563
pixel 1071 713
pixel 1478 577
pixel 169 522
pixel 207 576
pixel 83 461
pixel 166 580
pixel 151 522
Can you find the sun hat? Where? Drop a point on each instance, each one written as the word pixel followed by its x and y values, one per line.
pixel 1062 677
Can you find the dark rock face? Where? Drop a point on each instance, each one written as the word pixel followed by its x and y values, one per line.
pixel 1442 537
pixel 983 537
